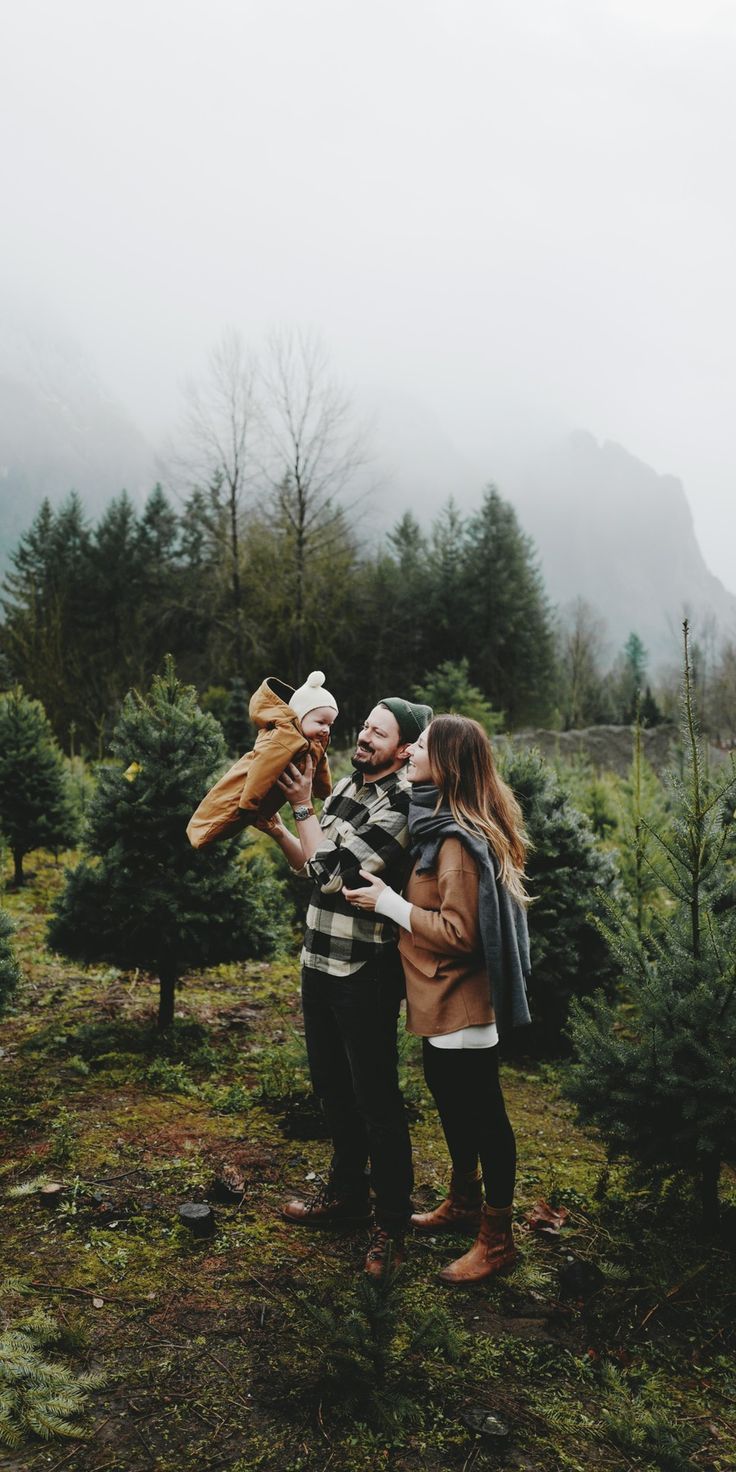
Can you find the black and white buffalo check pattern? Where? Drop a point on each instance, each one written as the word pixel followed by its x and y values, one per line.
pixel 365 827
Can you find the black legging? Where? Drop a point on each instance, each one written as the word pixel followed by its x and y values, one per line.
pixel 465 1086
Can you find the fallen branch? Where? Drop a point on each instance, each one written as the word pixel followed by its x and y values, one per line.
pixel 672 1293
pixel 81 1293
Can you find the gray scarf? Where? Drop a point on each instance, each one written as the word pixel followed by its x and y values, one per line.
pixel 502 920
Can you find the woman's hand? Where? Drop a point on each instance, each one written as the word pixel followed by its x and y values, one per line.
pixel 295 785
pixel 365 899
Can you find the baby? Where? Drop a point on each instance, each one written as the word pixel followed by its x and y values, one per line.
pixel 292 725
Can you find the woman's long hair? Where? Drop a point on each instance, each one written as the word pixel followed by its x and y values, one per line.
pixel 463 770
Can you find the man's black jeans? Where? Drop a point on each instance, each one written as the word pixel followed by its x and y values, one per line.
pixel 350 1030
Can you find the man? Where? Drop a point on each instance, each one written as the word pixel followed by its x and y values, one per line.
pixel 352 981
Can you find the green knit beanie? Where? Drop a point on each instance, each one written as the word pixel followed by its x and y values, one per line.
pixel 411 718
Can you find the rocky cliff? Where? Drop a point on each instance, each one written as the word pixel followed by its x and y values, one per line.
pixel 611 530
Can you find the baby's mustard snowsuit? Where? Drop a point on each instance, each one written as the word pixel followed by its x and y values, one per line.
pixel 248 791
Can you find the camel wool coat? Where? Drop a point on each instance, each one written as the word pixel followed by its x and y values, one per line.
pixel 447 984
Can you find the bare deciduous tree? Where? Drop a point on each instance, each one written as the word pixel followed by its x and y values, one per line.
pixel 581 645
pixel 313 456
pixel 217 454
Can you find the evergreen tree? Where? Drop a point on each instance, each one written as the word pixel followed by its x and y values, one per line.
pixel 645 812
pixel 36 808
pixel 632 695
pixel 566 870
pixel 240 732
pixel 30 561
pixel 411 591
pixel 160 626
pixel 387 621
pixel 142 896
pixel 45 610
pixel 377 626
pixel 9 969
pixel 408 545
pixel 157 533
pixel 202 593
pixel 650 712
pixel 230 708
pixel 114 641
pixel 448 690
pixel 637 659
pixel 662 1089
pixel 506 630
pixel 443 594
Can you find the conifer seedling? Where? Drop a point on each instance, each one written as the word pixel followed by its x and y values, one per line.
pixel 659 1081
pixel 142 896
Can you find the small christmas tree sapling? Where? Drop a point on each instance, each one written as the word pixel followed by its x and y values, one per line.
pixel 9 969
pixel 36 806
pixel 646 814
pixel 660 1085
pixel 39 1395
pixel 567 869
pixel 143 896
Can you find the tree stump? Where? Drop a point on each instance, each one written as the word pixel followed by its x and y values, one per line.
pixel 50 1195
pixel 200 1219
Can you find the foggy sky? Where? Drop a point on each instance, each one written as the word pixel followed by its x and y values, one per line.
pixel 520 213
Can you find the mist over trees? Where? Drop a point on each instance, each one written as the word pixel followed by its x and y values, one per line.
pixel 257 562
pixel 90 610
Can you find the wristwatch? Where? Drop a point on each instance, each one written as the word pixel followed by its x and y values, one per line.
pixel 305 810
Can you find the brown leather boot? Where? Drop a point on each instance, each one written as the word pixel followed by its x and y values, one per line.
pixel 492 1252
pixel 327 1207
pixel 460 1210
pixel 385 1255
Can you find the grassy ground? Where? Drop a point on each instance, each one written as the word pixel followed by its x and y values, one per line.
pixel 610 1346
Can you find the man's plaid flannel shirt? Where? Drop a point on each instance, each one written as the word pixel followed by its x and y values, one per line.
pixel 365 826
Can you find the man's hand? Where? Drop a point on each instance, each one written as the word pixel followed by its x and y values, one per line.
pixel 295 785
pixel 365 899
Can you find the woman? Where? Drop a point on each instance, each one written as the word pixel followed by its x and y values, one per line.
pixel 464 947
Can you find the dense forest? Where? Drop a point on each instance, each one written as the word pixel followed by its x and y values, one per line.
pixel 91 610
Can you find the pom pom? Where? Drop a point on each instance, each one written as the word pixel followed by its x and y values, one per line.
pixel 316 678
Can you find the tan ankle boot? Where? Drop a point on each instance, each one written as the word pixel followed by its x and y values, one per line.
pixel 492 1252
pixel 460 1210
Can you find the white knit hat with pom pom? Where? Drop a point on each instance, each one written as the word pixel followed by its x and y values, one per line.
pixel 311 694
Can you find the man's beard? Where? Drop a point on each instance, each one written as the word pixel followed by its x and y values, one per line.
pixel 370 764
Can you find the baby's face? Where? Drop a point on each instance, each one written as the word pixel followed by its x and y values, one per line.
pixel 316 723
